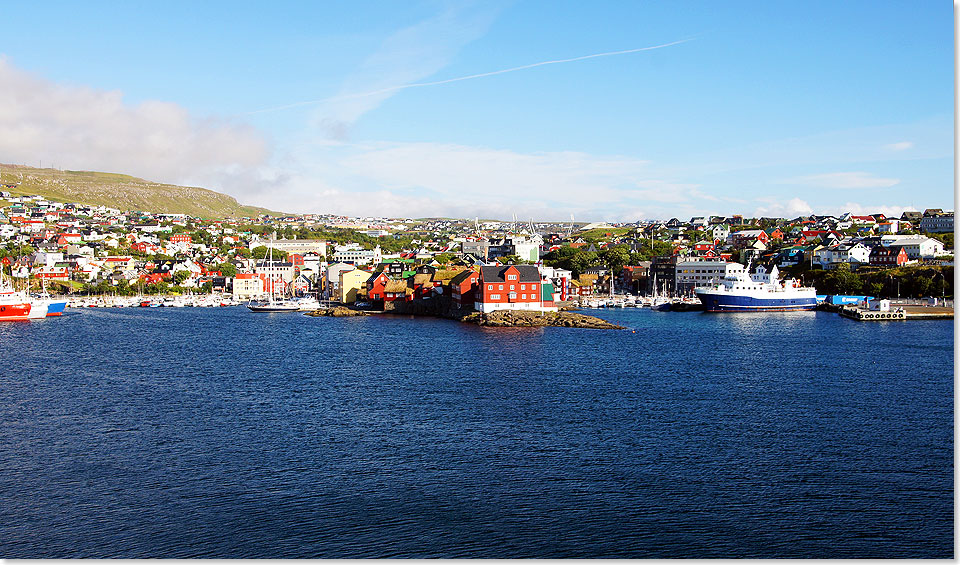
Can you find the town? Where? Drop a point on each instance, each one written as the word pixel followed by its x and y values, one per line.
pixel 473 264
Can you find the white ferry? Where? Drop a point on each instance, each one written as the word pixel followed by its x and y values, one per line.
pixel 741 292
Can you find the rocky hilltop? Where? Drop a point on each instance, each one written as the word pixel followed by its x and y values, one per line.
pixel 123 192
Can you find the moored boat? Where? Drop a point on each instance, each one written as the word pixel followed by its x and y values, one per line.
pixel 761 292
pixel 271 305
pixel 14 304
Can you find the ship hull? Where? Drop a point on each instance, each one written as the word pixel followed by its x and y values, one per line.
pixel 727 302
pixel 56 308
pixel 14 312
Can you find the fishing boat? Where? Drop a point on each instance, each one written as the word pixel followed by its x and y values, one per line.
pixel 14 304
pixel 762 291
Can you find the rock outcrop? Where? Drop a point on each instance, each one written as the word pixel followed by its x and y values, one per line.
pixel 336 312
pixel 527 319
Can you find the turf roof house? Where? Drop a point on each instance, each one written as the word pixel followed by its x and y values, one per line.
pixel 513 287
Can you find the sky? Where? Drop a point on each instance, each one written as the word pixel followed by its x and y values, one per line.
pixel 606 111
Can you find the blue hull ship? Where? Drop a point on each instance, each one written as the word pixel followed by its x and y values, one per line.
pixel 760 292
pixel 56 307
pixel 732 303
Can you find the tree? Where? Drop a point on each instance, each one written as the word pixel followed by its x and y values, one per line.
pixel 180 276
pixel 843 280
pixel 616 257
pixel 582 261
pixel 443 258
pixel 262 251
pixel 511 260
pixel 227 269
pixel 922 285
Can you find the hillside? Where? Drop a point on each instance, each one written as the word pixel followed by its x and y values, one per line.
pixel 124 192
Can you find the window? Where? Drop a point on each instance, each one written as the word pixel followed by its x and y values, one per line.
pixel 494 297
pixel 523 297
pixel 523 287
pixel 489 287
pixel 513 286
pixel 501 287
pixel 511 277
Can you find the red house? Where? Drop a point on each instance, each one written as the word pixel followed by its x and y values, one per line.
pixel 510 287
pixel 747 238
pixel 893 256
pixel 463 288
pixel 376 286
pixel 181 238
pixel 775 233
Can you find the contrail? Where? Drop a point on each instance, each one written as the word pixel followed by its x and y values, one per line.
pixel 468 77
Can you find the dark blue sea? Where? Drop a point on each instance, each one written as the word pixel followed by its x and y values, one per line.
pixel 216 432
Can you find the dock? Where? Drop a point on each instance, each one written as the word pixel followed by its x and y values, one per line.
pixel 898 313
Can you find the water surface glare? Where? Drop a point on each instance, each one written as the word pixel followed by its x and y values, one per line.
pixel 215 432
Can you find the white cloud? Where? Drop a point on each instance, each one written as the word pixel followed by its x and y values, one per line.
pixel 857 209
pixel 900 146
pixel 434 179
pixel 790 209
pixel 843 180
pixel 74 127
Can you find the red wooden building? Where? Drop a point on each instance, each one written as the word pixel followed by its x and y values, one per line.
pixel 510 287
pixel 463 288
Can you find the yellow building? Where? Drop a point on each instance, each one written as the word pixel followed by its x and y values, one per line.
pixel 353 283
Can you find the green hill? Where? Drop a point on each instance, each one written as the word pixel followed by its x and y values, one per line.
pixel 124 193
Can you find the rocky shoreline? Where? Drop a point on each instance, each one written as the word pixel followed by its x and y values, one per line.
pixel 498 319
pixel 336 312
pixel 527 319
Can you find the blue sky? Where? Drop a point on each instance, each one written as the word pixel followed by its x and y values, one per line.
pixel 759 108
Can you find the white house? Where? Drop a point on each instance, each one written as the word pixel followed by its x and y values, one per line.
pixel 922 247
pixel 852 253
pixel 721 231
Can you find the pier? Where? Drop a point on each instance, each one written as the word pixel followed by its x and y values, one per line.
pixel 897 312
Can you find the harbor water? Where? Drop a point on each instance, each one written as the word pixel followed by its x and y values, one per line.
pixel 222 433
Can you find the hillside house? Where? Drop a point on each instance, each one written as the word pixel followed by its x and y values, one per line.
pixel 892 256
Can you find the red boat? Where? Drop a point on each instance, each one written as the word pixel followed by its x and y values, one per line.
pixel 13 311
pixel 14 305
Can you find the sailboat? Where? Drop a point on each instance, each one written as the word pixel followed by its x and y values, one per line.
pixel 272 303
pixel 660 302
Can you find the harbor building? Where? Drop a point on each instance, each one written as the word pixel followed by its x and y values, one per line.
pixel 691 274
pixel 298 246
pixel 936 221
pixel 353 253
pixel 247 286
